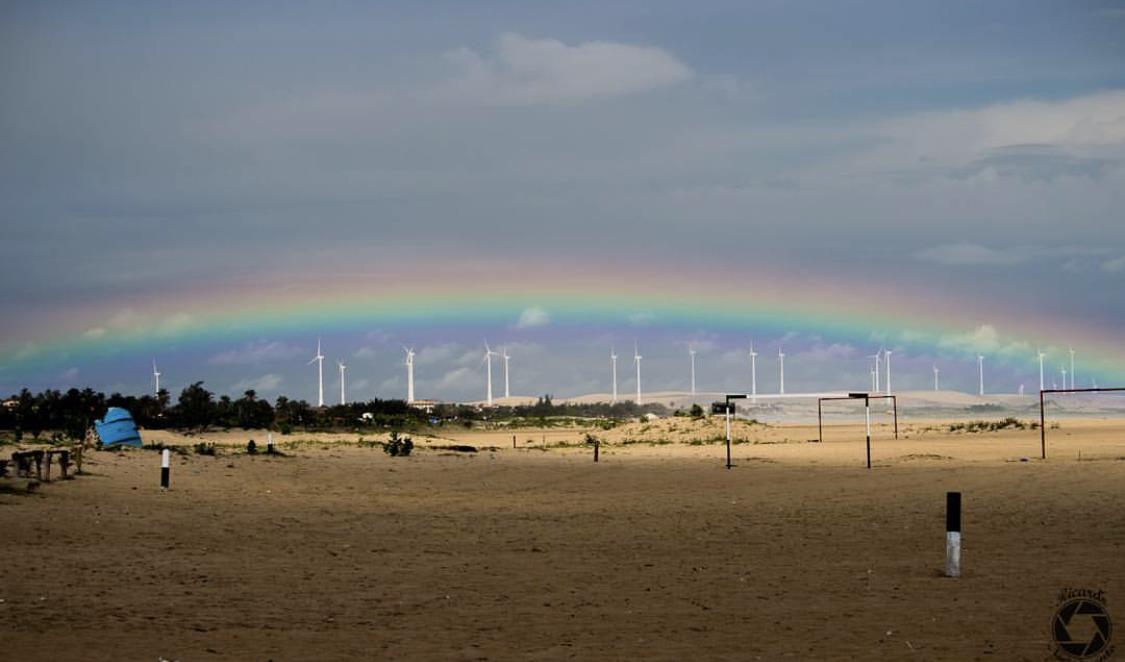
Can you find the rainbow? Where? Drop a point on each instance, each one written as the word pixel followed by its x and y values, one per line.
pixel 455 297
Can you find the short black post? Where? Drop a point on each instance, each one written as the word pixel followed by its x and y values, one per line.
pixel 269 443
pixel 867 418
pixel 597 447
pixel 894 401
pixel 165 468
pixel 513 441
pixel 952 534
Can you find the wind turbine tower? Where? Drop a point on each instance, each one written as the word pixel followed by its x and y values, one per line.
pixel 1071 368
pixel 1062 369
pixel 409 374
pixel 1041 355
pixel 876 356
pixel 506 357
pixel 936 371
pixel 691 353
pixel 637 362
pixel 319 361
pixel 753 371
pixel 155 379
pixel 488 354
pixel 888 356
pixel 980 369
pixel 613 363
pixel 781 370
pixel 343 392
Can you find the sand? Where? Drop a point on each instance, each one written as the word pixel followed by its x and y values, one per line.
pixel 656 552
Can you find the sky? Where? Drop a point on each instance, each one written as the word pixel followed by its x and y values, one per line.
pixel 215 185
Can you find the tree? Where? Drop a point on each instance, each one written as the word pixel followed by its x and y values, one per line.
pixel 196 408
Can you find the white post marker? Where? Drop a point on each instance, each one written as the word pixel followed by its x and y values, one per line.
pixel 952 534
pixel 269 443
pixel 165 461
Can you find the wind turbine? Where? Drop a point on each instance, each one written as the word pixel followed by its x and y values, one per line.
pixel 1041 355
pixel 753 371
pixel 876 356
pixel 980 368
pixel 319 360
pixel 155 378
pixel 504 355
pixel 613 362
pixel 781 370
pixel 691 353
pixel 936 371
pixel 888 362
pixel 1072 373
pixel 1062 369
pixel 637 362
pixel 409 373
pixel 488 354
pixel 343 393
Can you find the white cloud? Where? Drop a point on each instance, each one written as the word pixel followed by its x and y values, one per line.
pixel 96 332
pixel 268 382
pixel 532 317
pixel 828 352
pixel 364 353
pixel 458 378
pixel 523 71
pixel 1116 265
pixel 432 354
pixel 258 352
pixel 966 254
pixel 971 254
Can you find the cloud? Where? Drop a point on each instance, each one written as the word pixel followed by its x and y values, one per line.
pixel 970 254
pixel 532 317
pixel 1114 266
pixel 69 375
pixel 268 382
pixel 828 352
pixel 96 332
pixel 1031 163
pixel 458 378
pixel 432 354
pixel 523 71
pixel 984 338
pixel 364 353
pixel 967 254
pixel 258 352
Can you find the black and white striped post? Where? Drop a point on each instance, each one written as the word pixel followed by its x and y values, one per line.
pixel 269 443
pixel 952 534
pixel 728 410
pixel 165 468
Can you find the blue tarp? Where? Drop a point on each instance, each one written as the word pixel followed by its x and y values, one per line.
pixel 118 428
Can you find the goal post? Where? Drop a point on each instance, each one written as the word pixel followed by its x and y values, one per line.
pixel 867 398
pixel 1043 409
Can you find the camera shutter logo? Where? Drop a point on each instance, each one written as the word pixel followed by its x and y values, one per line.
pixel 1072 619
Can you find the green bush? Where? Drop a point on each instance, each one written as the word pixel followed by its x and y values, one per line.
pixel 398 446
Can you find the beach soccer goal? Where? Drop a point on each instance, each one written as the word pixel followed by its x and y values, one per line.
pixel 1043 409
pixel 866 398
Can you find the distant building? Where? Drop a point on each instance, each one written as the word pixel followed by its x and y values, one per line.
pixel 425 405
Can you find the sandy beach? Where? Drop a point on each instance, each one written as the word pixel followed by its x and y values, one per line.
pixel 657 552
